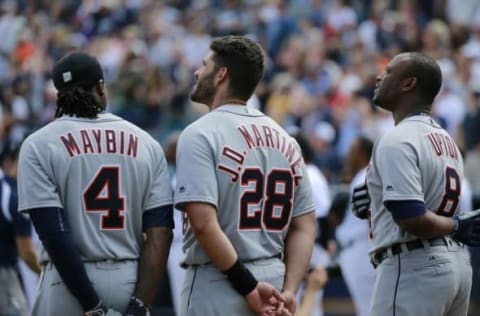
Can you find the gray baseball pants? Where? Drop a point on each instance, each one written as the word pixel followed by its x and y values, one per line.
pixel 430 281
pixel 114 282
pixel 207 291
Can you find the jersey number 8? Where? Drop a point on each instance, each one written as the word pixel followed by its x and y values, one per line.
pixel 452 193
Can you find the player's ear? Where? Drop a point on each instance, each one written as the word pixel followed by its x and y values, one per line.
pixel 409 83
pixel 222 74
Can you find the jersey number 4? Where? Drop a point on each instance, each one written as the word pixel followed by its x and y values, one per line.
pixel 452 193
pixel 103 195
pixel 276 192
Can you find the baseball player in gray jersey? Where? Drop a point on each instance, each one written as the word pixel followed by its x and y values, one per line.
pixel 414 184
pixel 242 184
pixel 93 185
pixel 352 233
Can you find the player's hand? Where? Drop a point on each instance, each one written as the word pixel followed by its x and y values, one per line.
pixel 317 278
pixel 361 202
pixel 467 228
pixel 98 310
pixel 264 299
pixel 112 312
pixel 290 305
pixel 136 307
pixel 101 310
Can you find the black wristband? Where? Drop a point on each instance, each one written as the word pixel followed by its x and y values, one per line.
pixel 241 278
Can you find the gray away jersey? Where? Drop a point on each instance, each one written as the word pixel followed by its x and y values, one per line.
pixel 103 172
pixel 251 170
pixel 417 160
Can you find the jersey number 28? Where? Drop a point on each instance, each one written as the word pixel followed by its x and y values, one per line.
pixel 103 195
pixel 276 192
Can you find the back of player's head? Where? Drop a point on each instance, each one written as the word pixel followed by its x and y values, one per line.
pixel 74 76
pixel 428 74
pixel 244 61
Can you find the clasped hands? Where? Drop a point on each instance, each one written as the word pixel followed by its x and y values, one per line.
pixel 266 300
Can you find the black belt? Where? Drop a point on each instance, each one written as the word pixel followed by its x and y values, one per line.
pixel 381 255
pixel 187 265
pixel 47 262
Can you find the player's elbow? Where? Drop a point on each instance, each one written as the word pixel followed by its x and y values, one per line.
pixel 305 224
pixel 201 228
pixel 202 218
pixel 419 226
pixel 159 237
pixel 411 216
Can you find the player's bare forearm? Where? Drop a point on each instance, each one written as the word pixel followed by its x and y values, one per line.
pixel 203 219
pixel 298 251
pixel 26 250
pixel 428 225
pixel 308 301
pixel 152 263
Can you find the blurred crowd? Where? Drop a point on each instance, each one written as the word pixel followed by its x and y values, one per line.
pixel 323 57
pixel 322 60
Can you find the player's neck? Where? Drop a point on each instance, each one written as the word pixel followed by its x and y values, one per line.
pixel 401 115
pixel 223 97
pixel 225 101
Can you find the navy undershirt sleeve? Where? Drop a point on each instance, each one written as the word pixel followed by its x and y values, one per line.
pixel 159 216
pixel 405 209
pixel 53 230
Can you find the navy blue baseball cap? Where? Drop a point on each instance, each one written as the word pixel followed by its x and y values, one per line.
pixel 76 69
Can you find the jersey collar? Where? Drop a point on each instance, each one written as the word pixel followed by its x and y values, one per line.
pixel 421 116
pixel 101 117
pixel 421 113
pixel 238 109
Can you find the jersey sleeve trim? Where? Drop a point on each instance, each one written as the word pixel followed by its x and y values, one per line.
pixel 402 198
pixel 180 203
pixel 405 209
pixel 158 204
pixel 305 211
pixel 28 207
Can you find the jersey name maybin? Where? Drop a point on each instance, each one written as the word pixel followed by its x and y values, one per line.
pixel 100 141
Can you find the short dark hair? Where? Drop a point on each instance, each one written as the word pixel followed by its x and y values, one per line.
pixel 244 61
pixel 428 74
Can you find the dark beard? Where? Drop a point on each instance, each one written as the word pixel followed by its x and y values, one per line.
pixel 204 91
